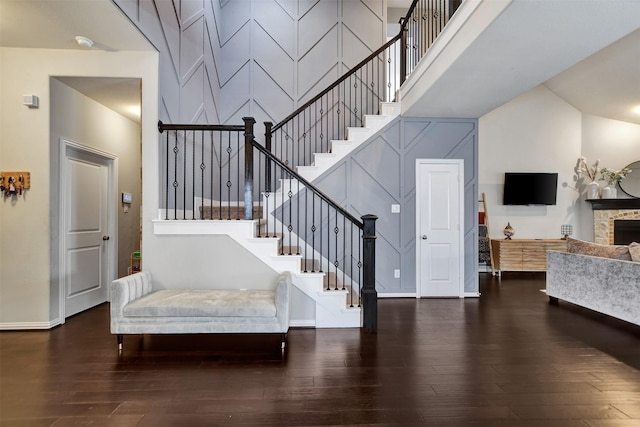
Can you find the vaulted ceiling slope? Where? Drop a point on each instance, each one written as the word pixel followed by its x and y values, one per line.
pixel 586 51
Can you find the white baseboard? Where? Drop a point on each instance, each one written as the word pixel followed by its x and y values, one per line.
pixel 396 295
pixel 23 326
pixel 471 294
pixel 302 323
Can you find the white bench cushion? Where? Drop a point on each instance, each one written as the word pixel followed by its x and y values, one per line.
pixel 203 303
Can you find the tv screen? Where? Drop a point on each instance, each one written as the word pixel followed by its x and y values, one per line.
pixel 525 188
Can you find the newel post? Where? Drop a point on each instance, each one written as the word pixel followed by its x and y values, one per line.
pixel 369 293
pixel 267 145
pixel 248 167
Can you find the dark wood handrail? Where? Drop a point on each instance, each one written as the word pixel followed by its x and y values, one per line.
pixel 232 128
pixel 337 82
pixel 309 185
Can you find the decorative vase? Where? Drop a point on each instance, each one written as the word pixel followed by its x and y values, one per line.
pixel 610 191
pixel 593 188
pixel 508 231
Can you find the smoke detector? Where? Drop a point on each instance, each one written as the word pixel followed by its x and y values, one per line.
pixel 84 41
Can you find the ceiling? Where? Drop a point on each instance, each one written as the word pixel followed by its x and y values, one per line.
pixel 54 24
pixel 605 84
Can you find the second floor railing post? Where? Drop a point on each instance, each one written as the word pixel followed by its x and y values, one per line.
pixel 248 167
pixel 403 53
pixel 267 145
pixel 369 293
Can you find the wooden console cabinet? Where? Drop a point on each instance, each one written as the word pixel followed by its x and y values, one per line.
pixel 524 254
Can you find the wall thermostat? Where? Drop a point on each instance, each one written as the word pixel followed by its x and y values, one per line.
pixel 126 198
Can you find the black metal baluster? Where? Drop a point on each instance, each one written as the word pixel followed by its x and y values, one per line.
pixel 202 169
pixel 166 205
pixel 176 149
pixel 344 251
pixel 336 264
pixel 229 183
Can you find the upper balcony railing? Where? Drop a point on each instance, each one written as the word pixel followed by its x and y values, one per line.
pixel 359 92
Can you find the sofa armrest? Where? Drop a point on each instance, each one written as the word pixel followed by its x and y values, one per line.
pixel 283 287
pixel 125 290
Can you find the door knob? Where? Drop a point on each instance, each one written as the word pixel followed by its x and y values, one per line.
pixel 105 237
pixel 424 237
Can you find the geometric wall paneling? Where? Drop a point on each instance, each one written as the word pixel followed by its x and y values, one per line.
pixel 358 50
pixel 235 91
pixel 190 9
pixel 274 99
pixel 171 30
pixel 192 96
pixel 235 15
pixel 376 6
pixel 336 182
pixel 289 6
pixel 374 199
pixel 391 134
pixel 381 157
pixel 235 116
pixel 412 129
pixel 191 46
pixel 408 215
pixel 315 23
pixel 408 278
pixel 277 23
pixel 236 52
pixel 274 60
pixel 170 84
pixel 393 182
pixel 385 282
pixel 318 86
pixel 305 6
pixel 364 22
pixel 313 64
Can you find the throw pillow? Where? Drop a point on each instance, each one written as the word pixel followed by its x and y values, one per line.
pixel 576 246
pixel 634 250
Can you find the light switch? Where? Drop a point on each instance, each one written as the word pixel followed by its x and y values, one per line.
pixel 396 273
pixel 395 208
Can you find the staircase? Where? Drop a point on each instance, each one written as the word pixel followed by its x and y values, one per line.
pixel 336 304
pixel 355 136
pixel 330 253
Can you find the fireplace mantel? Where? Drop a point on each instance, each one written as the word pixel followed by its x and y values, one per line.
pixel 611 204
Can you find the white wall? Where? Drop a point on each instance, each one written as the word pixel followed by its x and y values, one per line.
pixel 536 132
pixel 25 229
pixel 540 132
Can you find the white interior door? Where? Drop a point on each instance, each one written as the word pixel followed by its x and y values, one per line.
pixel 439 227
pixel 85 226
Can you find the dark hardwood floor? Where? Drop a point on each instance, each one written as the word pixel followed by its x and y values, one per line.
pixel 505 359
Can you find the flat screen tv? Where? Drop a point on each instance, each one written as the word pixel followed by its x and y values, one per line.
pixel 528 188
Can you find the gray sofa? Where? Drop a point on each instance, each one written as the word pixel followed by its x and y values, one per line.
pixel 609 286
pixel 137 309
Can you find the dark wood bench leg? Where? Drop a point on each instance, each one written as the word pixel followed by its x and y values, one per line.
pixel 553 301
pixel 120 340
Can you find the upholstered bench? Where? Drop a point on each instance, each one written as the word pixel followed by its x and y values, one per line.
pixel 137 309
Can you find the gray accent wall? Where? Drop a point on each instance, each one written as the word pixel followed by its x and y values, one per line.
pixel 221 60
pixel 381 172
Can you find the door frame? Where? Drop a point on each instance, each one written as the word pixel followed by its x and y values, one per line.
pixel 112 216
pixel 460 164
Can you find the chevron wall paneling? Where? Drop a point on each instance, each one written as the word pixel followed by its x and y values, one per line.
pixel 185 33
pixel 279 53
pixel 385 167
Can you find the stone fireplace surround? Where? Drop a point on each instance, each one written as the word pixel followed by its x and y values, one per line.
pixel 605 212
